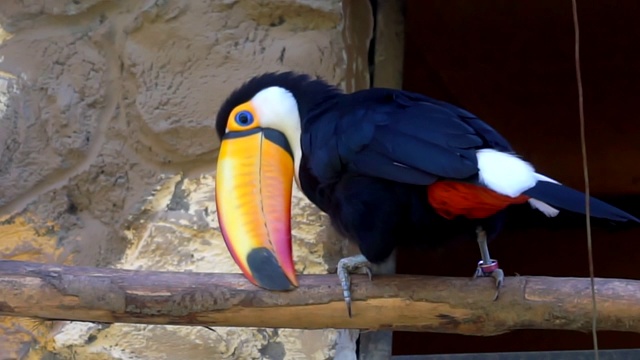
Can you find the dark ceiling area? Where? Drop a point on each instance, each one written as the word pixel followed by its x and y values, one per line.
pixel 512 64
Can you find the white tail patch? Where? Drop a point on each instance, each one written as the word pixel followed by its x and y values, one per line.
pixel 505 173
pixel 509 175
pixel 545 208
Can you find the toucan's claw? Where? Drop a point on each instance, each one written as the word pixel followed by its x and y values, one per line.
pixel 345 267
pixel 367 270
pixel 497 274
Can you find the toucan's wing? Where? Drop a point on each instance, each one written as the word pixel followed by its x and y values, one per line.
pixel 395 135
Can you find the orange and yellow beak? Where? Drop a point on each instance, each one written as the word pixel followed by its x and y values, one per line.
pixel 253 196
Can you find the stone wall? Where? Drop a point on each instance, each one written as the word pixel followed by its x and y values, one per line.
pixel 108 152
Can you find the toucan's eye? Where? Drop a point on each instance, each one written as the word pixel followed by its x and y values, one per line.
pixel 244 118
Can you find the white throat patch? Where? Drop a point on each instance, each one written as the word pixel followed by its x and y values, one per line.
pixel 278 109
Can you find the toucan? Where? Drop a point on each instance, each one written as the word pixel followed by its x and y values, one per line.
pixel 390 167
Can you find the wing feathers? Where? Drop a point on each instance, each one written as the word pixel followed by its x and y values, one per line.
pixel 373 131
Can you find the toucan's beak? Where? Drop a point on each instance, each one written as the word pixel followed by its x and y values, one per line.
pixel 253 197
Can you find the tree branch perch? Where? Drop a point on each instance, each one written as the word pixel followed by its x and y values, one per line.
pixel 400 302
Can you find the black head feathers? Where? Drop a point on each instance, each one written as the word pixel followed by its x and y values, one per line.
pixel 306 90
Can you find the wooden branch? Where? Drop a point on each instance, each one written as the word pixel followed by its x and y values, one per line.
pixel 413 303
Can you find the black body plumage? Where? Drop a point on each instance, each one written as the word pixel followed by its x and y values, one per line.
pixel 367 158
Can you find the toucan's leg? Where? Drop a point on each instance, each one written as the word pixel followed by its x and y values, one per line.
pixel 488 266
pixel 346 266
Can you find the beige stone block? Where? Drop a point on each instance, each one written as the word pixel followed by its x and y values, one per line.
pixel 108 153
pixel 16 13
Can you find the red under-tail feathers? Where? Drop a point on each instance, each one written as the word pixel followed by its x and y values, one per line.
pixel 454 198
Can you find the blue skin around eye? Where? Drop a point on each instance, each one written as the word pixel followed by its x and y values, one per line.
pixel 244 118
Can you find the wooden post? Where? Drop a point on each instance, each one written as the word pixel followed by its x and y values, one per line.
pixel 387 72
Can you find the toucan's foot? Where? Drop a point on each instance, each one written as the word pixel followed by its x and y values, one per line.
pixel 488 266
pixel 491 269
pixel 349 265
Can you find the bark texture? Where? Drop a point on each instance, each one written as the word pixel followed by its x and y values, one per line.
pixel 399 302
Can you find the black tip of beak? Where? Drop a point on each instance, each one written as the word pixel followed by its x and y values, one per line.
pixel 266 271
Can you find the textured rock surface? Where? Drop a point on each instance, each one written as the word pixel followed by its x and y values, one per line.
pixel 108 152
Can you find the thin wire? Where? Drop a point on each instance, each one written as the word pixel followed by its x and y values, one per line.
pixel 585 169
